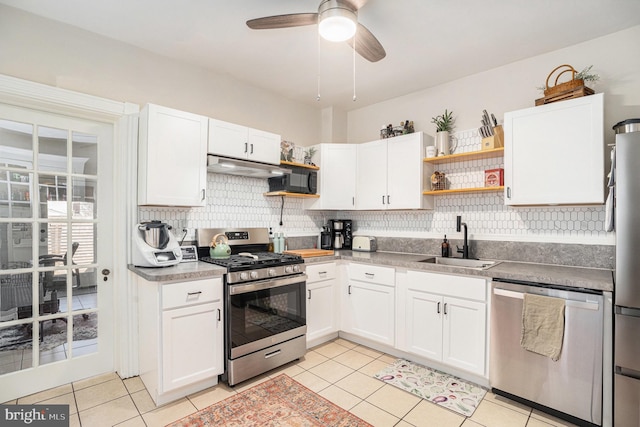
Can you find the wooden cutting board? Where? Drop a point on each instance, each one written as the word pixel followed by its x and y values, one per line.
pixel 307 253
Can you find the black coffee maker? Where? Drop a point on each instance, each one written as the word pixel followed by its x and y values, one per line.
pixel 326 241
pixel 341 233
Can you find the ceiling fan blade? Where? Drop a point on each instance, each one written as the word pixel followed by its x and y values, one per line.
pixel 367 45
pixel 283 21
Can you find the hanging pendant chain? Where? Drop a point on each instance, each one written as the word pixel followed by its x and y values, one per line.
pixel 354 66
pixel 318 96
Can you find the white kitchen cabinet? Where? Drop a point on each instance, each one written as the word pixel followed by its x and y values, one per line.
pixel 241 142
pixel 181 345
pixel 368 300
pixel 322 301
pixel 554 153
pixel 337 177
pixel 444 319
pixel 391 174
pixel 172 157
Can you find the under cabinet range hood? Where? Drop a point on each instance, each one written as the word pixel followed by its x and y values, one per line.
pixel 231 166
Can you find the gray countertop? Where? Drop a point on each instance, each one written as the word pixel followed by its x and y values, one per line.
pixel 182 271
pixel 575 277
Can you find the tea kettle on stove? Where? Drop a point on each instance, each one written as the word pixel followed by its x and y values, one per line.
pixel 219 248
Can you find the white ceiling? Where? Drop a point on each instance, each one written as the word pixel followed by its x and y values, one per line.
pixel 428 42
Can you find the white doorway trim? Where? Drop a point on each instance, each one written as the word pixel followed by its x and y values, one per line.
pixel 124 117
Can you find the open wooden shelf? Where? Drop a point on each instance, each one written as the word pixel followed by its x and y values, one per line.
pixel 288 194
pixel 300 165
pixel 463 157
pixel 462 190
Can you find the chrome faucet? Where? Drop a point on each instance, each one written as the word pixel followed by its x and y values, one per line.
pixel 465 245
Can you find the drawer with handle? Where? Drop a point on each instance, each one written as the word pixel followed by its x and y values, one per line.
pixel 372 274
pixel 184 294
pixel 319 272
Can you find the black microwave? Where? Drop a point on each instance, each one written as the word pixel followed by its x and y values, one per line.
pixel 300 180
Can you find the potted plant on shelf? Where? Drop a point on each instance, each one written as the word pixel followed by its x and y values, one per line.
pixel 308 155
pixel 444 125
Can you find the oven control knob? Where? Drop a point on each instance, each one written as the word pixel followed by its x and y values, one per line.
pixel 296 268
pixel 254 274
pixel 244 275
pixel 272 272
pixel 288 269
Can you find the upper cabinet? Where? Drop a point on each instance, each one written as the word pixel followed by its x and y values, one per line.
pixel 337 177
pixel 554 154
pixel 241 142
pixel 390 174
pixel 172 157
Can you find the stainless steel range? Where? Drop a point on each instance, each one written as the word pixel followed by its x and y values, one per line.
pixel 265 313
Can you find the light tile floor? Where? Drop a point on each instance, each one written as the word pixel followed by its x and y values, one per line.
pixel 340 371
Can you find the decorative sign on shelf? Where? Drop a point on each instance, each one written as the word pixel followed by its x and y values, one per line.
pixel 390 131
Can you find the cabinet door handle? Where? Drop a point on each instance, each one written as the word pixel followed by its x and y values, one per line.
pixel 251 149
pixel 370 275
pixel 508 192
pixel 321 273
pixel 246 147
pixel 353 201
pixel 194 293
pixel 204 194
pixel 309 290
pixel 438 309
pixel 383 199
pixel 219 315
pixel 388 199
pixel 445 308
pixel 349 290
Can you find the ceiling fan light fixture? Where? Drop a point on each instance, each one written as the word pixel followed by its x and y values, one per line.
pixel 336 23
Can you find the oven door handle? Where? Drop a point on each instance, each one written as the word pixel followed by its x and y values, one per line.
pixel 266 284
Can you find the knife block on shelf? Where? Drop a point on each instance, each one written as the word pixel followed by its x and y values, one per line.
pixel 494 141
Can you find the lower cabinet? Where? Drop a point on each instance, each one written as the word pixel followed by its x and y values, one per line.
pixel 181 337
pixel 322 301
pixel 445 319
pixel 369 303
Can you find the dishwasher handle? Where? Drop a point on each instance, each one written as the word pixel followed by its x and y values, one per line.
pixel 569 303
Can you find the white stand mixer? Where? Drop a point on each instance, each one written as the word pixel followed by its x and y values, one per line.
pixel 154 245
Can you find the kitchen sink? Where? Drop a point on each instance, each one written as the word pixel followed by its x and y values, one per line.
pixel 478 264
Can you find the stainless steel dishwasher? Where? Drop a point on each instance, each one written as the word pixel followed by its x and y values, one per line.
pixel 571 386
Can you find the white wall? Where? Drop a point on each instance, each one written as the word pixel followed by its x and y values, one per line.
pixel 614 57
pixel 44 51
pixel 40 50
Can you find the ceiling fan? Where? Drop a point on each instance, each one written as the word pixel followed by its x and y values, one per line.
pixel 337 20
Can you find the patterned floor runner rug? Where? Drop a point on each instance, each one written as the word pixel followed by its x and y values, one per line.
pixel 442 389
pixel 280 401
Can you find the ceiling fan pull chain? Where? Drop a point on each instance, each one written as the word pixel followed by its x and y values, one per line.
pixel 318 96
pixel 354 67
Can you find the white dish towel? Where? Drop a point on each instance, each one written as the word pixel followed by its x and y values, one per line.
pixel 609 217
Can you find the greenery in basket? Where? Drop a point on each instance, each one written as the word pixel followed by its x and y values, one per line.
pixel 443 122
pixel 587 75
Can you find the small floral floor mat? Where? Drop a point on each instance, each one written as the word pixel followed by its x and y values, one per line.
pixel 442 389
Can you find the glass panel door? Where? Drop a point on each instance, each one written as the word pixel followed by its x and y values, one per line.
pixel 55 307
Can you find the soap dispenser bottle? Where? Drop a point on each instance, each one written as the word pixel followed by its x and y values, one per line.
pixel 445 247
pixel 270 247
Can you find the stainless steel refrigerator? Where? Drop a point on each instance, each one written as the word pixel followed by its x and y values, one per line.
pixel 627 274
